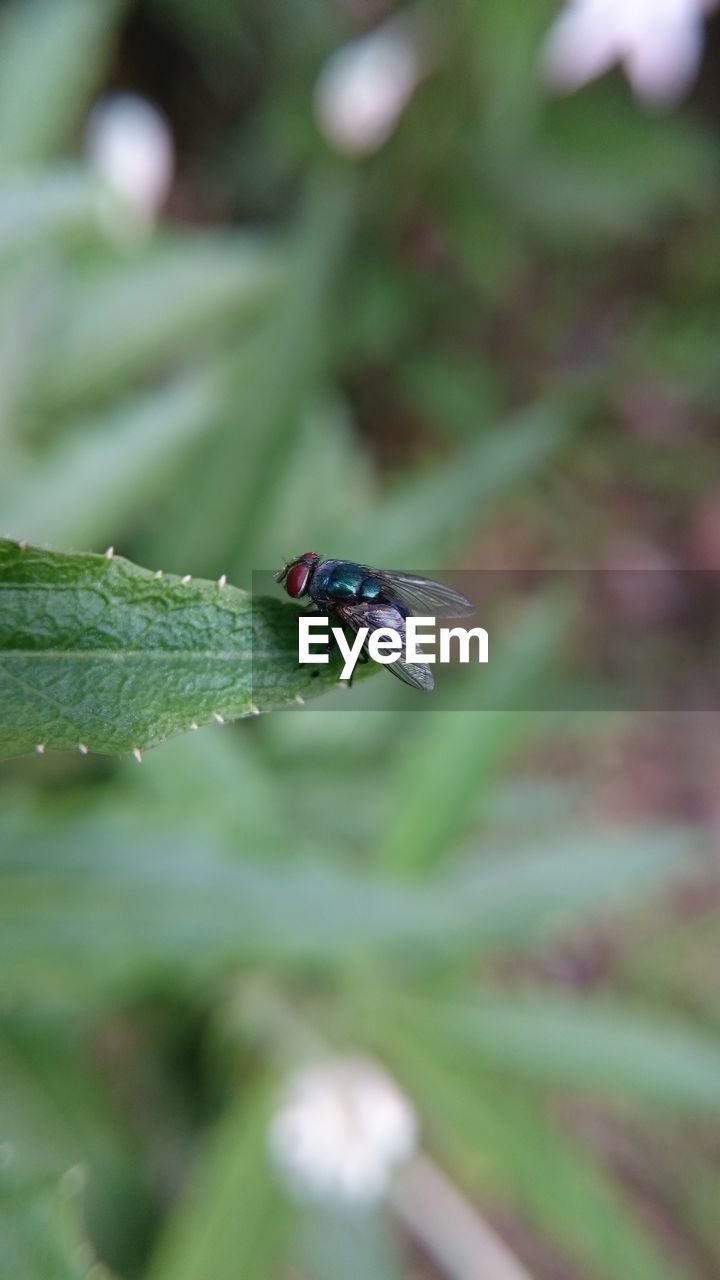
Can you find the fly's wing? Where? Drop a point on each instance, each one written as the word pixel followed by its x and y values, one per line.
pixel 422 595
pixel 378 617
pixel 417 674
pixel 359 615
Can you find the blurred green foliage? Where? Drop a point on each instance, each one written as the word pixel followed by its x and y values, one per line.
pixel 493 342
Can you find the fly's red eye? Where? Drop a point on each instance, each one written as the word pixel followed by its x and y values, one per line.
pixel 297 579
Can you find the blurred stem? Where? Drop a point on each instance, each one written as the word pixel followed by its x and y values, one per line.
pixel 275 370
pixel 296 338
pixel 439 1217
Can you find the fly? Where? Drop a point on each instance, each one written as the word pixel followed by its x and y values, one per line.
pixel 358 596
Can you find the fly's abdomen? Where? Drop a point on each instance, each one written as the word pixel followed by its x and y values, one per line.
pixel 370 589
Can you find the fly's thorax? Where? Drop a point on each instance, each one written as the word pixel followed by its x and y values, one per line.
pixel 344 582
pixel 320 583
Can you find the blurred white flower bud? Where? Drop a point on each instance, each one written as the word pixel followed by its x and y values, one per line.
pixel 340 1130
pixel 130 146
pixel 364 87
pixel 658 42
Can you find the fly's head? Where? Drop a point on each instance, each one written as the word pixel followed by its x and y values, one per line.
pixel 297 575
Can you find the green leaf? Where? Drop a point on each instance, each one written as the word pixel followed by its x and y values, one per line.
pixel 354 1243
pixel 55 204
pixel 51 1107
pixel 575 188
pixel 425 516
pixel 324 452
pixel 592 1043
pixel 505 1144
pixel 96 651
pixel 89 483
pixel 55 1114
pixel 88 905
pixel 453 757
pixel 23 311
pixel 116 898
pixel 40 1237
pixel 516 897
pixel 51 54
pixel 233 1221
pixel 239 477
pixel 119 324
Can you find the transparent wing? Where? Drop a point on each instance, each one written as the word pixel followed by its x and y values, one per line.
pixel 418 674
pixel 366 614
pixel 423 596
pixel 378 617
